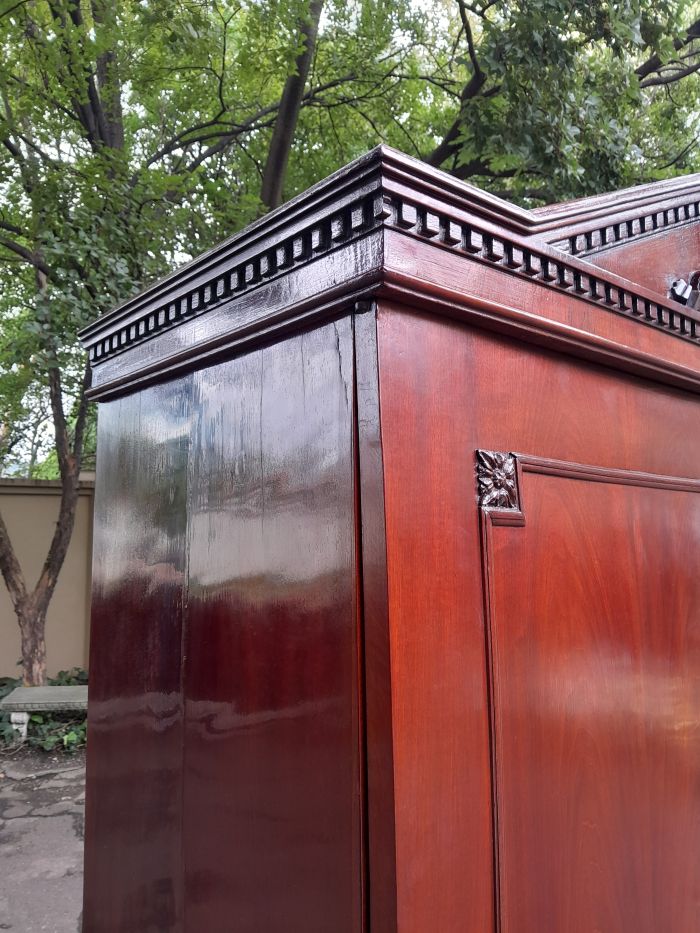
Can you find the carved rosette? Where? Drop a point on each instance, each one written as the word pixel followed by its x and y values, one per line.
pixel 496 475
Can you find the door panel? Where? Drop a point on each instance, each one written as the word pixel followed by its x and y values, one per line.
pixel 593 601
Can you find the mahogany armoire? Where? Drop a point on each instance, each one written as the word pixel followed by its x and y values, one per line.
pixel 396 602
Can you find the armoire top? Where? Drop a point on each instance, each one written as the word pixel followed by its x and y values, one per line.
pixel 346 239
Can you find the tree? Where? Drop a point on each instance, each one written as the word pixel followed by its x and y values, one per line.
pixel 134 135
pixel 288 113
pixel 562 96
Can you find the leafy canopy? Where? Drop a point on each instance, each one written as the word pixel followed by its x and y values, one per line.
pixel 134 135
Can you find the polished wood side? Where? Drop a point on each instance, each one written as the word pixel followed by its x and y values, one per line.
pixel 594 618
pixel 439 281
pixel 224 770
pixel 447 390
pixel 380 817
pixel 272 770
pixel 654 261
pixel 133 841
pixel 295 717
pixel 444 850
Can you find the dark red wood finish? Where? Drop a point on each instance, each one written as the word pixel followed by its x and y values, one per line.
pixel 380 814
pixel 133 838
pixel 224 587
pixel 349 675
pixel 272 773
pixel 576 599
pixel 438 678
pixel 596 687
pixel 655 261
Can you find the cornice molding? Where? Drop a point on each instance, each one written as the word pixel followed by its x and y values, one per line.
pixel 623 199
pixel 385 190
pixel 640 224
pixel 339 228
pixel 535 260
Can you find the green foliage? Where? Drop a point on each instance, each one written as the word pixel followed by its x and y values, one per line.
pixel 135 135
pixel 8 736
pixel 48 731
pixel 562 112
pixel 75 677
pixel 57 732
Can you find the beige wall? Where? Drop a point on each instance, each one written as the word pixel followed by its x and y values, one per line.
pixel 30 510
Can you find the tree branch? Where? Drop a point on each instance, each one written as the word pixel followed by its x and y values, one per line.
pixel 654 63
pixel 108 80
pixel 69 464
pixel 478 167
pixel 14 150
pixel 11 228
pixel 26 254
pixel 63 451
pixel 481 11
pixel 81 415
pixel 669 75
pixel 449 146
pixel 684 152
pixel 275 170
pixel 91 114
pixel 467 26
pixel 11 570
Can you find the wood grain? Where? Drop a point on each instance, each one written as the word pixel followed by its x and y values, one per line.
pixel 133 830
pixel 655 261
pixel 595 639
pixel 444 870
pixel 339 682
pixel 380 803
pixel 447 390
pixel 272 771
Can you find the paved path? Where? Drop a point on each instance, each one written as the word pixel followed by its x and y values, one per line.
pixel 41 844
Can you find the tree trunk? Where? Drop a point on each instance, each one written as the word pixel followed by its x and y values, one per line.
pixel 31 607
pixel 275 172
pixel 32 624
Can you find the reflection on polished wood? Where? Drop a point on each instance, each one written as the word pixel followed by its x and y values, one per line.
pixel 595 699
pixel 269 682
pixel 135 723
pixel 396 621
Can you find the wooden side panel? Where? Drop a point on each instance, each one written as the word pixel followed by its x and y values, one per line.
pixel 445 391
pixel 654 261
pixel 379 808
pixel 444 870
pixel 272 774
pixel 485 294
pixel 133 867
pixel 595 632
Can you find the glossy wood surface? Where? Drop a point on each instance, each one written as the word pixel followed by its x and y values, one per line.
pixel 329 694
pixel 595 635
pixel 380 815
pixel 271 774
pixel 445 391
pixel 133 838
pixel 441 766
pixel 224 769
pixel 439 281
pixel 655 261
